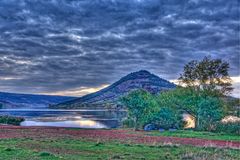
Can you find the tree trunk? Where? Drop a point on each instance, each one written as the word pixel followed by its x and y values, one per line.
pixel 135 124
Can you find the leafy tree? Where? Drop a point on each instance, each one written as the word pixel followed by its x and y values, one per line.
pixel 206 110
pixel 210 111
pixel 141 106
pixel 209 74
pixel 180 99
pixel 167 118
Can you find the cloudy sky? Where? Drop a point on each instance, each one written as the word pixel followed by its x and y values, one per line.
pixel 74 47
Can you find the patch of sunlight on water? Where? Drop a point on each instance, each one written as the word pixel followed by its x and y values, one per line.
pixel 75 124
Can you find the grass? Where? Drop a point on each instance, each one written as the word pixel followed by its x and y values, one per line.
pixel 75 149
pixel 194 134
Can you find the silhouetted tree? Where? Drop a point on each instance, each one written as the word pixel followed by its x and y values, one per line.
pixel 210 75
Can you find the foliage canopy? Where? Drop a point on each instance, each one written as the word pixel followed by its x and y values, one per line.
pixel 141 106
pixel 209 74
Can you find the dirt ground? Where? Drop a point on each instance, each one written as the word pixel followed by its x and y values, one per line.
pixel 119 135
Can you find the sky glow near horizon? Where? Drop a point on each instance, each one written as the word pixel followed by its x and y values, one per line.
pixel 75 47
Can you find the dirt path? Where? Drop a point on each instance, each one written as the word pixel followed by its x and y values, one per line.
pixel 120 135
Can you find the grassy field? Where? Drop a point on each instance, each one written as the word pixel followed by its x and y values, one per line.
pixel 196 134
pixel 77 149
pixel 53 143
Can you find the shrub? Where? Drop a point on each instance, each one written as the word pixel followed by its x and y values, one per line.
pixel 230 127
pixel 45 154
pixel 5 119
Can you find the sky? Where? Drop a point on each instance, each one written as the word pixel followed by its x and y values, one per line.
pixel 74 47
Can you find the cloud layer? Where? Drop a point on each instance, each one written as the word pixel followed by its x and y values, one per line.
pixel 56 45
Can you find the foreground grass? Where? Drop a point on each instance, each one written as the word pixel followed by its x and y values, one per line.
pixel 73 149
pixel 183 134
pixel 194 134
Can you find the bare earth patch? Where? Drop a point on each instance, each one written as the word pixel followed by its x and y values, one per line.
pixel 119 135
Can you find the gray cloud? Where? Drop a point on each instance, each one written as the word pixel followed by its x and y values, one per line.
pixel 56 45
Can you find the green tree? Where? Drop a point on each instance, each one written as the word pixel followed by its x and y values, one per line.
pixel 209 113
pixel 210 75
pixel 180 99
pixel 205 109
pixel 167 118
pixel 141 106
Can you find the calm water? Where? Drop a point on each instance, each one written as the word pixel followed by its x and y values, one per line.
pixel 68 118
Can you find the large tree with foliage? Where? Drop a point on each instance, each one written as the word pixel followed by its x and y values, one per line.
pixel 209 113
pixel 167 118
pixel 205 109
pixel 141 106
pixel 180 99
pixel 210 75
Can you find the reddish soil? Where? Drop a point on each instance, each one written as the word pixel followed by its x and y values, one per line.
pixel 120 135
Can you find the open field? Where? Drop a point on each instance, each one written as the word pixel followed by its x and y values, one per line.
pixel 68 148
pixel 195 134
pixel 61 143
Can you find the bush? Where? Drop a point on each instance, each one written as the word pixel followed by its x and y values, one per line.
pixel 45 154
pixel 5 119
pixel 230 127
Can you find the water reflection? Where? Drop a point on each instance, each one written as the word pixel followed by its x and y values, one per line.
pixel 69 118
pixel 74 124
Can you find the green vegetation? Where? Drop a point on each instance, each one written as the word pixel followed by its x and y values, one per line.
pixel 166 118
pixel 206 85
pixel 72 149
pixel 196 134
pixel 5 119
pixel 209 113
pixel 230 128
pixel 166 109
pixel 141 107
pixel 209 75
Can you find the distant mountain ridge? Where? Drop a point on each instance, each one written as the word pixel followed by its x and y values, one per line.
pixel 109 95
pixel 15 100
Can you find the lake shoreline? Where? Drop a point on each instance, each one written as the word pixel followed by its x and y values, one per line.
pixel 77 118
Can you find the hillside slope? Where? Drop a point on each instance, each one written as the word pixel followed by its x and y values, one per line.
pixel 109 95
pixel 14 100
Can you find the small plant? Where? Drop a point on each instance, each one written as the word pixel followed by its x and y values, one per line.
pixel 99 143
pixel 45 154
pixel 8 149
pixel 117 157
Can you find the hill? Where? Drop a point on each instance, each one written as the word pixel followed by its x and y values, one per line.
pixel 109 95
pixel 14 100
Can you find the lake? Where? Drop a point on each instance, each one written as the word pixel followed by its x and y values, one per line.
pixel 78 118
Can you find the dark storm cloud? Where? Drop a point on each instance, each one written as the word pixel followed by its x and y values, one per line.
pixel 56 45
